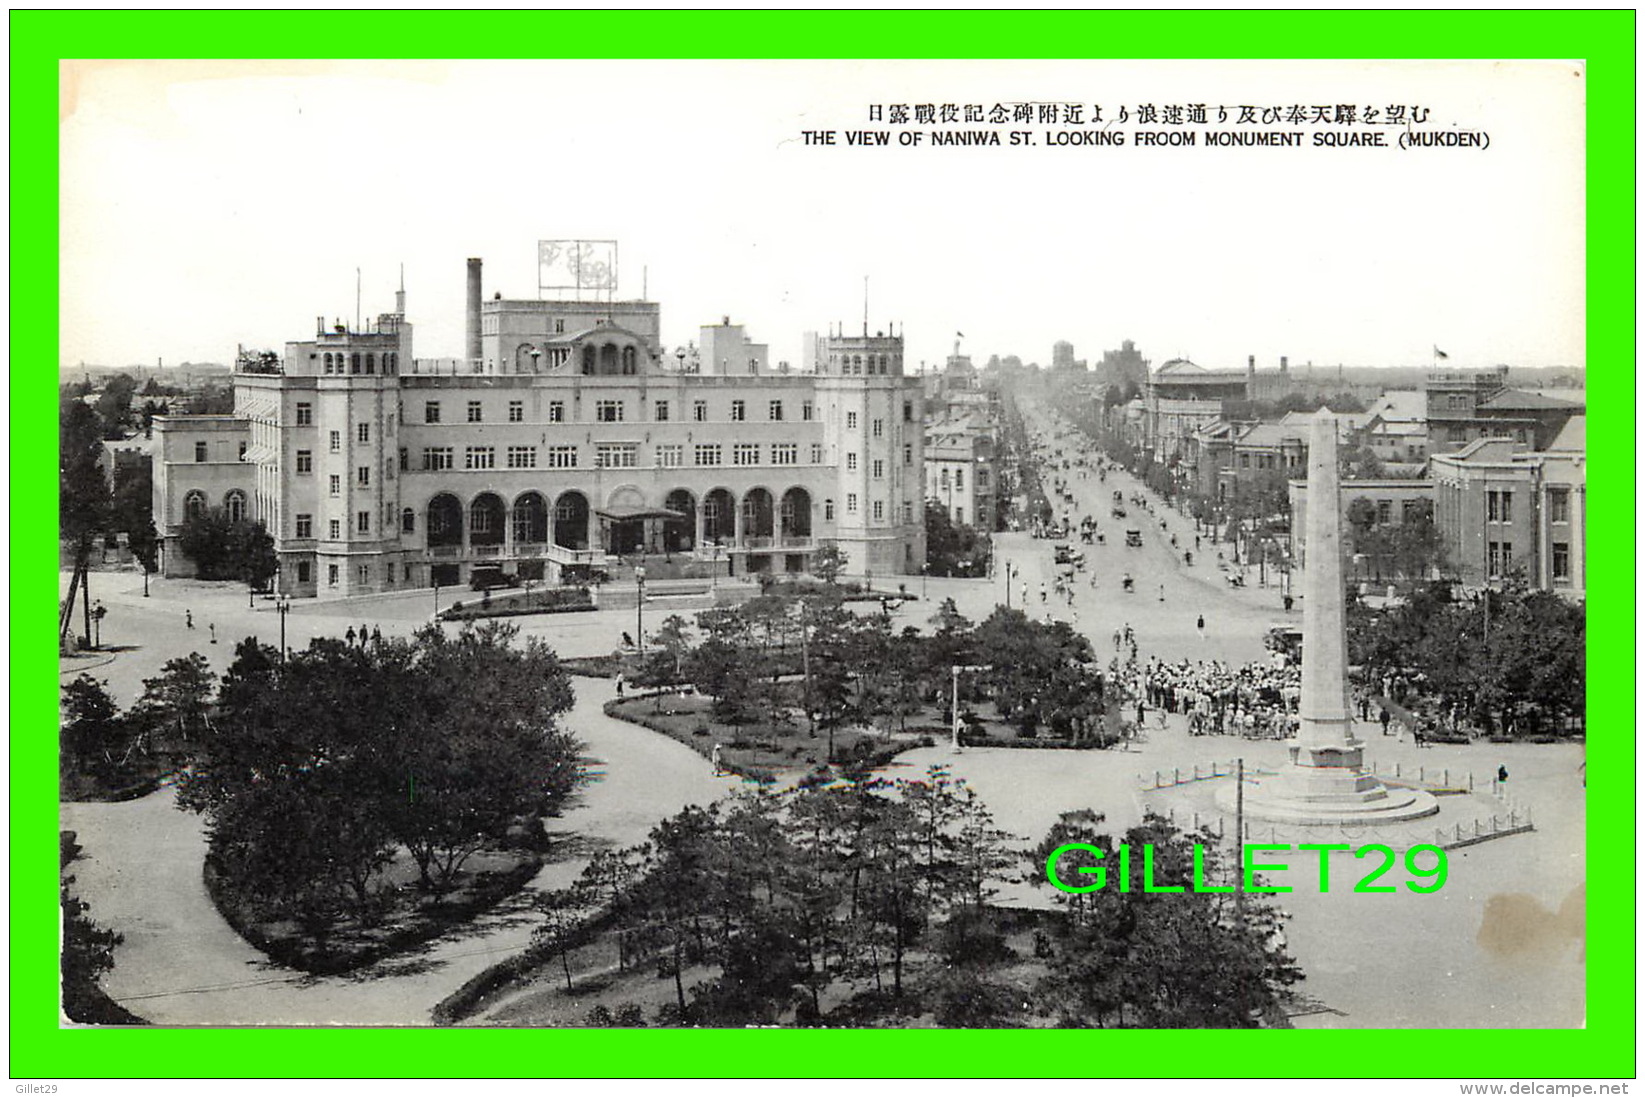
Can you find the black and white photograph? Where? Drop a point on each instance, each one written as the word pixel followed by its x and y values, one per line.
pixel 823 544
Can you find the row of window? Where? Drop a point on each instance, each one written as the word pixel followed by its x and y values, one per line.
pixel 607 455
pixel 354 363
pixel 613 411
pixel 860 364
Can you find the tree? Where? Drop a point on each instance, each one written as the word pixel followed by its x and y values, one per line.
pixel 133 500
pixel 114 405
pixel 94 735
pixel 1161 960
pixel 208 539
pixel 145 546
pixel 485 748
pixel 83 491
pixel 225 549
pixel 828 561
pixel 177 700
pixel 255 559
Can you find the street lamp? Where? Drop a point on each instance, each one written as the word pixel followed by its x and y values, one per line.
pixel 925 574
pixel 436 599
pixel 282 604
pixel 97 612
pixel 639 608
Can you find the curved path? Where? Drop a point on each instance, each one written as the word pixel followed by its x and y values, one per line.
pixel 181 964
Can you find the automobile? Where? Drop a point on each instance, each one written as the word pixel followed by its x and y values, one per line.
pixel 1118 511
pixel 1133 539
pixel 1064 554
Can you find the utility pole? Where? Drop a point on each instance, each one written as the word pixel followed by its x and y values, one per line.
pixel 1239 843
pixel 805 664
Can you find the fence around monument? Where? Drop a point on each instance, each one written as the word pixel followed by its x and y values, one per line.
pixel 1514 819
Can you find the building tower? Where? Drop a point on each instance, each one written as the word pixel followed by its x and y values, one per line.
pixel 873 421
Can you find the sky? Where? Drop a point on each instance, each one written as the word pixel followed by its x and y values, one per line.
pixel 210 204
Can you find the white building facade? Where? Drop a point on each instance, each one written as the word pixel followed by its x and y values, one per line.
pixel 569 439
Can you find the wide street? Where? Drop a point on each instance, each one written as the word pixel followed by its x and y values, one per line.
pixel 1488 950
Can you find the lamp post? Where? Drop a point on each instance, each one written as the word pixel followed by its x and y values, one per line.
pixel 97 612
pixel 251 596
pixel 925 574
pixel 639 608
pixel 436 600
pixel 282 604
pixel 1008 571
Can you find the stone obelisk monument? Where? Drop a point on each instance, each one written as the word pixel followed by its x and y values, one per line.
pixel 1325 782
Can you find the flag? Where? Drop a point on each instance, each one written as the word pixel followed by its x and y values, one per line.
pixel 1440 354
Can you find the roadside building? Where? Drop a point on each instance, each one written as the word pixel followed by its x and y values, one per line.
pixel 566 436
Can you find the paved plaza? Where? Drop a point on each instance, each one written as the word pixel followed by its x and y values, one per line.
pixel 1498 945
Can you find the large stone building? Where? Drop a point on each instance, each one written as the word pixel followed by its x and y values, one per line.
pixel 1505 511
pixel 564 437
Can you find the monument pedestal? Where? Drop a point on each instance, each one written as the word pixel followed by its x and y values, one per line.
pixel 1328 785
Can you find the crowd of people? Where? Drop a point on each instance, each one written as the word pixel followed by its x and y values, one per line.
pixel 1255 700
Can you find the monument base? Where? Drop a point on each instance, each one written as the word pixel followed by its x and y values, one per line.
pixel 1310 792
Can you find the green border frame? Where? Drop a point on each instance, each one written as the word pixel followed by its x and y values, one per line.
pixel 1606 1048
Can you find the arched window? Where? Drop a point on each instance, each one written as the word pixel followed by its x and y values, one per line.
pixel 354 363
pixel 589 355
pixel 194 504
pixel 371 362
pixel 629 364
pixel 408 521
pixel 234 504
pixel 328 362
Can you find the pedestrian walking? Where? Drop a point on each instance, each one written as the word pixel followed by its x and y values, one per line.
pixel 349 636
pixel 1501 773
pixel 1200 625
pixel 365 634
pixel 188 616
pixel 619 686
pixel 213 627
pixel 1384 717
pixel 1162 592
pixel 376 635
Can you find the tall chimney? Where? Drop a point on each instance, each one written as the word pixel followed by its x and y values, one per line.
pixel 473 347
pixel 1284 364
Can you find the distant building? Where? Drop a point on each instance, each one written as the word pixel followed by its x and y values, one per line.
pixel 1505 510
pixel 1181 397
pixel 1062 357
pixel 1394 499
pixel 960 475
pixel 1397 428
pixel 1123 366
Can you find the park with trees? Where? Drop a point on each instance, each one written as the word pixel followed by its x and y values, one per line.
pixel 1502 665
pixel 796 682
pixel 358 798
pixel 869 902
